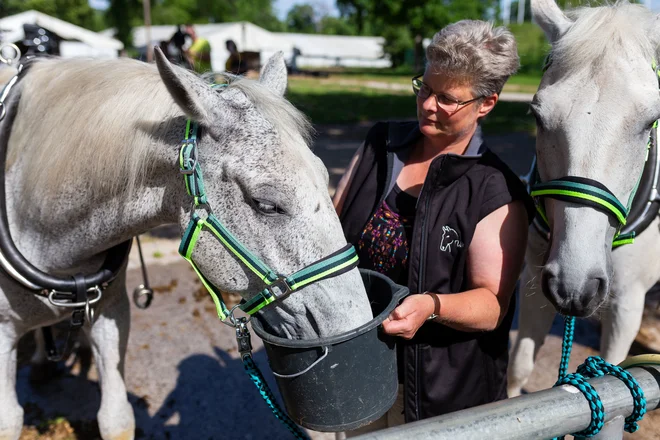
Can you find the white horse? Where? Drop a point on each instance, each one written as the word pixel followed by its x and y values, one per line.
pixel 93 161
pixel 594 108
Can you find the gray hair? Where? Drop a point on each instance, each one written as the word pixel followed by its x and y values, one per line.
pixel 473 52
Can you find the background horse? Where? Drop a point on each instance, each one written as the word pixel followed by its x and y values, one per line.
pixel 93 161
pixel 594 108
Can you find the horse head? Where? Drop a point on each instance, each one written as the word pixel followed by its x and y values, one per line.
pixel 269 190
pixel 595 109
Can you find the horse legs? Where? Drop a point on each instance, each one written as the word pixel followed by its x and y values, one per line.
pixel 534 319
pixel 109 337
pixel 636 269
pixel 11 415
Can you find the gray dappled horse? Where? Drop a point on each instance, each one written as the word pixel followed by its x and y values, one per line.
pixel 93 161
pixel 594 108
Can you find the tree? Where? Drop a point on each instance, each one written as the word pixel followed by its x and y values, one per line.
pixel 398 42
pixel 425 17
pixel 336 26
pixel 300 18
pixel 77 12
pixel 122 15
pixel 357 11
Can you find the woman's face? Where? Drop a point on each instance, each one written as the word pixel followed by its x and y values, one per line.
pixel 446 112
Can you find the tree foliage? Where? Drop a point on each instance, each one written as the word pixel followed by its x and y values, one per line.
pixel 74 11
pixel 300 18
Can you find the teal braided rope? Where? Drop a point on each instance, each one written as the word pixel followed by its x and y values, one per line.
pixel 264 390
pixel 566 345
pixel 595 366
pixel 595 404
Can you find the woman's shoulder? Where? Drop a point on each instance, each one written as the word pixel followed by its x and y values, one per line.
pixel 501 183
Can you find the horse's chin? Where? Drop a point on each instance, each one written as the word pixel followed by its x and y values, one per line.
pixel 575 311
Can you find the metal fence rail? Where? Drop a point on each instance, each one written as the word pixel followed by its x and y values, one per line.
pixel 541 415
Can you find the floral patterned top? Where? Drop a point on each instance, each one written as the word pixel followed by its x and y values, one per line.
pixel 383 245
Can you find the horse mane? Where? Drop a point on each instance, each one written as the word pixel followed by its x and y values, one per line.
pixel 100 119
pixel 619 28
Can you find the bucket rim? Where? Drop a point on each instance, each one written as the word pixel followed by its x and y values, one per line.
pixel 398 293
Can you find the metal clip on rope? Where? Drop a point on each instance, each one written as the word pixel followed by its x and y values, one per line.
pixel 144 289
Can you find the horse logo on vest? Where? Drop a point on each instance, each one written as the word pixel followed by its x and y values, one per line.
pixel 450 238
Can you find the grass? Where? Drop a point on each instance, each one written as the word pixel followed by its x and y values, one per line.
pixel 326 101
pixel 522 83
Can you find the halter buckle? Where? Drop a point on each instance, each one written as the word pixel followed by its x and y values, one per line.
pixel 243 338
pixel 187 168
pixel 280 288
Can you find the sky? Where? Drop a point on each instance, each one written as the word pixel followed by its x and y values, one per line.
pixel 321 6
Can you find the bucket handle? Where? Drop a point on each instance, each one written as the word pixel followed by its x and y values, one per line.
pixel 291 376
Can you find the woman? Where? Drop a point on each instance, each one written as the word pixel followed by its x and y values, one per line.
pixel 427 204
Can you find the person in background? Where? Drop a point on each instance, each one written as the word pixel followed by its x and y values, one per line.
pixel 429 205
pixel 199 52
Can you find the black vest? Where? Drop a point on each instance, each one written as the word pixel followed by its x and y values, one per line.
pixel 443 369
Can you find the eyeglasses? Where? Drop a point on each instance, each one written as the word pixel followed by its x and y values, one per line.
pixel 450 105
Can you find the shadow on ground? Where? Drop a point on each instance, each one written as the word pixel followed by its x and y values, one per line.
pixel 213 398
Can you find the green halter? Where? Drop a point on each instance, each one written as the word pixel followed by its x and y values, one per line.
pixel 589 192
pixel 277 286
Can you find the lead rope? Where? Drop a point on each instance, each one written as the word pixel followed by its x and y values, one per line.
pixel 245 350
pixel 595 366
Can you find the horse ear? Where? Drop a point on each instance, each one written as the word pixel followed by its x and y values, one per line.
pixel 550 18
pixel 274 75
pixel 193 95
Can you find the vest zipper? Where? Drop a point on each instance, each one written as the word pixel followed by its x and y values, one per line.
pixel 420 287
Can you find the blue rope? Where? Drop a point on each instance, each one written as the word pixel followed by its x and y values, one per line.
pixel 269 398
pixel 595 366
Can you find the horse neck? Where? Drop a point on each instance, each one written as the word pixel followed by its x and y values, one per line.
pixel 78 229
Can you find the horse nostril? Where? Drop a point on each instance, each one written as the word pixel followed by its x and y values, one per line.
pixel 595 291
pixel 549 284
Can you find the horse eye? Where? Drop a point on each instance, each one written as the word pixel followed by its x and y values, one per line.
pixel 267 207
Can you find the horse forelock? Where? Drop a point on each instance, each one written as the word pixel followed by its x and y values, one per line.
pixel 621 29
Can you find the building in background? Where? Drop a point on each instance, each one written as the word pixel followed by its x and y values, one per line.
pixel 36 32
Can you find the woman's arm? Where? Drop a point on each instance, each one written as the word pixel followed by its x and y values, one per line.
pixel 345 181
pixel 495 259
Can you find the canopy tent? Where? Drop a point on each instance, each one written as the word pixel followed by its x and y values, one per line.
pixel 74 40
pixel 338 50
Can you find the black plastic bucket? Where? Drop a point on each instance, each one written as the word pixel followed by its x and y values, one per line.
pixel 352 380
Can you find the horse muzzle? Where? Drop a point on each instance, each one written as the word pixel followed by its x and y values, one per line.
pixel 575 294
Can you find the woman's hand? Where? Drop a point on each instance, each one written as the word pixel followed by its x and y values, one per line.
pixel 406 319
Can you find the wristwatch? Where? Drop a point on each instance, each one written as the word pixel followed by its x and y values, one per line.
pixel 436 309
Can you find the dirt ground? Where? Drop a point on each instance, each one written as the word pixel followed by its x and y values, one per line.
pixel 183 374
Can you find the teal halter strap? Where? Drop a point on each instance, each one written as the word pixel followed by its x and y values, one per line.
pixel 584 192
pixel 277 286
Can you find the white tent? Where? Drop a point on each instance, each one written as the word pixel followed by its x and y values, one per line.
pixel 247 36
pixel 316 50
pixel 76 41
pixel 338 50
